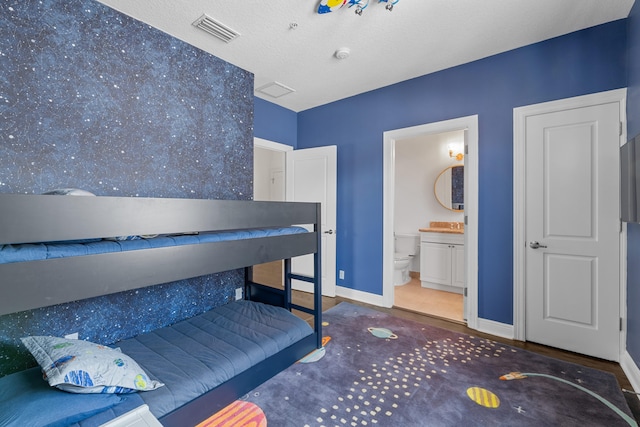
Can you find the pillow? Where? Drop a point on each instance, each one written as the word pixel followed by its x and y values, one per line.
pixel 27 400
pixel 80 366
pixel 69 192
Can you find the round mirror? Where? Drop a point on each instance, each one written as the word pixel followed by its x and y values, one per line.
pixel 449 188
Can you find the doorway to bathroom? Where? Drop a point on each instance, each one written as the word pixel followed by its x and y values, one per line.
pixel 427 167
pixel 435 230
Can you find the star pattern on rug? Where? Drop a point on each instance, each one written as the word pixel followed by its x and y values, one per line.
pixel 378 392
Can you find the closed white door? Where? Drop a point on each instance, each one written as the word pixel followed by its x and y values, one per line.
pixel 572 282
pixel 311 176
pixel 276 185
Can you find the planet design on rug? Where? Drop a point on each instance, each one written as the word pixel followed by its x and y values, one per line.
pixel 317 354
pixel 520 376
pixel 237 414
pixel 483 397
pixel 382 333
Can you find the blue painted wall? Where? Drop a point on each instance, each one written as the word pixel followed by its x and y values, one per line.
pixel 93 99
pixel 275 123
pixel 633 230
pixel 583 62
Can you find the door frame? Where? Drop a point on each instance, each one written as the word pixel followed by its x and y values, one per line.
pixel 520 115
pixel 470 124
pixel 270 145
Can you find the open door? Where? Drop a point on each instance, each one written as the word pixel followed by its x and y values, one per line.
pixel 311 176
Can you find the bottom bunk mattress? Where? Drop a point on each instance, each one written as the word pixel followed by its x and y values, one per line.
pixel 198 354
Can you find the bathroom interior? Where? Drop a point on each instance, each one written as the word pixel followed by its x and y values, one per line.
pixel 429 225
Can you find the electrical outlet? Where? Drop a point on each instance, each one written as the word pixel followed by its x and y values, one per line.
pixel 238 293
pixel 341 274
pixel 73 336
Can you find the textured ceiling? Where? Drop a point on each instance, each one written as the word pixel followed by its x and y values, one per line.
pixel 418 37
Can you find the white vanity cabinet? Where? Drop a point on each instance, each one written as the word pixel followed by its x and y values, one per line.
pixel 442 261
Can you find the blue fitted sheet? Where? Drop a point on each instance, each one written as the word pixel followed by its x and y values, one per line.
pixel 40 251
pixel 198 354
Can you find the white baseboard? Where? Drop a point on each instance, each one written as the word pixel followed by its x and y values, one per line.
pixel 630 370
pixel 361 296
pixel 495 328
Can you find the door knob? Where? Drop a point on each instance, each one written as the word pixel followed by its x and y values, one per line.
pixel 329 232
pixel 536 245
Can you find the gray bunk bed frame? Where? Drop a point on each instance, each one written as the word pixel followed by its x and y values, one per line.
pixel 47 218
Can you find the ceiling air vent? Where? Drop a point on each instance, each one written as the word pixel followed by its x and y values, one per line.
pixel 275 89
pixel 216 28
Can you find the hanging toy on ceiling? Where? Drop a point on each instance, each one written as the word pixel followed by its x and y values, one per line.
pixel 327 6
pixel 360 5
pixel 390 4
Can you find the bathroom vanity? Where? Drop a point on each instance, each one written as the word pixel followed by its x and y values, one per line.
pixel 442 257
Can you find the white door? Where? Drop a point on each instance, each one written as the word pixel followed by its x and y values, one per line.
pixel 311 176
pixel 572 282
pixel 276 185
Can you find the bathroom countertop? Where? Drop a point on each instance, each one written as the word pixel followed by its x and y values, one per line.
pixel 444 227
pixel 443 230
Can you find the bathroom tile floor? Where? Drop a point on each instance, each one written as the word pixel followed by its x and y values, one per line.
pixel 432 302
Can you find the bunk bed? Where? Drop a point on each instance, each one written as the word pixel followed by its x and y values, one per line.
pixel 194 238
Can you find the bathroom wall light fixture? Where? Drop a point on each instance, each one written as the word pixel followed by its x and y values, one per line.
pixel 456 151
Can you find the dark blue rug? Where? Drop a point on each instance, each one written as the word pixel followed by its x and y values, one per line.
pixel 381 370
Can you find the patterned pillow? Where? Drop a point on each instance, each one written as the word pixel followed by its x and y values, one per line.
pixel 80 366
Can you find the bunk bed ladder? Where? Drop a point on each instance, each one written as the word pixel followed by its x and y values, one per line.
pixel 282 297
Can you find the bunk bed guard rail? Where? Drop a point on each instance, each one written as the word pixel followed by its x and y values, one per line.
pixel 42 218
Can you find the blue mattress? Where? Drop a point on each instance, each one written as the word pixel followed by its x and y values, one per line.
pixel 41 251
pixel 198 354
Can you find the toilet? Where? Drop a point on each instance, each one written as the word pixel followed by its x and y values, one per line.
pixel 406 247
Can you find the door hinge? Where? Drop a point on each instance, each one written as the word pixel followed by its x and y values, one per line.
pixel 620 128
pixel 466 219
pixel 465 291
pixel 466 149
pixel 621 324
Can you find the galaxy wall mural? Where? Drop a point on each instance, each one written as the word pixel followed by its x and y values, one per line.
pixel 93 99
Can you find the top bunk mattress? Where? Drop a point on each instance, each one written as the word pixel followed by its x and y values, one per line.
pixel 10 253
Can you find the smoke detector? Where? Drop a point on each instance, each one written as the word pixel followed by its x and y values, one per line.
pixel 342 53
